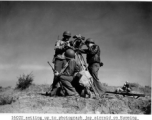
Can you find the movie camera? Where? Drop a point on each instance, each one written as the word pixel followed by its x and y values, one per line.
pixel 79 41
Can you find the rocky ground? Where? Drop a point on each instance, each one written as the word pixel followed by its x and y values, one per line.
pixel 33 100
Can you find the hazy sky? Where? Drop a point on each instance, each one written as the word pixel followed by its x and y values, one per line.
pixel 28 31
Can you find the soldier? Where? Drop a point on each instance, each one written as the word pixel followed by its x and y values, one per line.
pixel 60 47
pixel 66 78
pixel 94 63
pixel 126 87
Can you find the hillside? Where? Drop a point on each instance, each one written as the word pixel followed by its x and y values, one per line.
pixel 33 100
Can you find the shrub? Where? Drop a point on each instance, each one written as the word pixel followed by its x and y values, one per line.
pixel 104 84
pixel 142 89
pixel 24 81
pixel 146 90
pixel 136 85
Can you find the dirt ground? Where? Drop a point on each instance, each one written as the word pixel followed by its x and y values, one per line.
pixel 33 100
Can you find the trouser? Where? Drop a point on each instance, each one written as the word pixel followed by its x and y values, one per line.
pixel 66 82
pixel 58 65
pixel 93 69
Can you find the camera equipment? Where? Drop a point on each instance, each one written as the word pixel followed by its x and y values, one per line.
pixel 78 41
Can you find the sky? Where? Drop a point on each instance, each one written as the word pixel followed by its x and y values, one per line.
pixel 29 30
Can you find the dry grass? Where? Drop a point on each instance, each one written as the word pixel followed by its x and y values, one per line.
pixel 31 100
pixel 6 100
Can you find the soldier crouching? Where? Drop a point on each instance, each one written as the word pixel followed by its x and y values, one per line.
pixel 67 76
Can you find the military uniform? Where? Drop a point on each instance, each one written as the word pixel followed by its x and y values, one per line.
pixel 58 59
pixel 126 87
pixel 59 54
pixel 94 64
pixel 66 78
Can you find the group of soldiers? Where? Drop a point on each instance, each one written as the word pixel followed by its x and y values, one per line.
pixel 69 62
pixel 70 66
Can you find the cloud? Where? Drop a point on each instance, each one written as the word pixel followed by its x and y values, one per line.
pixel 23 67
pixel 5 66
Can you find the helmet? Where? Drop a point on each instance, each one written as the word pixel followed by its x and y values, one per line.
pixel 127 82
pixel 69 53
pixel 67 33
pixel 89 40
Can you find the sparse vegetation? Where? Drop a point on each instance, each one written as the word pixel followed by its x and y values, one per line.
pixel 136 85
pixel 24 81
pixel 6 100
pixel 17 101
pixel 146 90
pixel 104 84
pixel 142 89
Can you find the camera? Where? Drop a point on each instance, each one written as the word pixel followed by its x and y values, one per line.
pixel 78 41
pixel 79 37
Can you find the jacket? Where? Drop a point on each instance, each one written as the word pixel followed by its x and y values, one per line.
pixel 59 49
pixel 93 54
pixel 72 68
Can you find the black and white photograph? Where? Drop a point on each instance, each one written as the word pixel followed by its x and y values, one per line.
pixel 75 57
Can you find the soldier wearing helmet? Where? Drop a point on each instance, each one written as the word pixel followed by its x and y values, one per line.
pixel 67 76
pixel 89 40
pixel 93 52
pixel 69 54
pixel 126 87
pixel 94 63
pixel 61 44
pixel 60 47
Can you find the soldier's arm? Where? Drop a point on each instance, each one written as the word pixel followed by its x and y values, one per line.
pixel 77 67
pixel 71 43
pixel 68 45
pixel 59 45
pixel 93 49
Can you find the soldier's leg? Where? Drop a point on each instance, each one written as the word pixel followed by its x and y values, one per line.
pixel 58 67
pixel 67 86
pixel 93 69
pixel 54 87
pixel 87 92
pixel 75 83
pixel 58 64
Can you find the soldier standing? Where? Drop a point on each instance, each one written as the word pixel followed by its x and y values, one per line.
pixel 60 48
pixel 58 60
pixel 94 63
